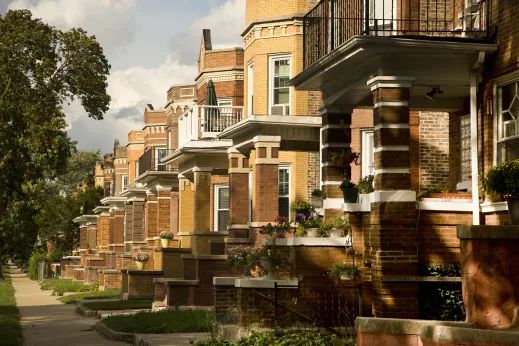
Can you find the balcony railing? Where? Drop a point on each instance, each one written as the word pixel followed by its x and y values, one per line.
pixel 203 122
pixel 333 22
pixel 150 161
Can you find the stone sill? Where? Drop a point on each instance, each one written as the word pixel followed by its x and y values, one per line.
pixel 401 326
pixel 142 272
pixel 202 233
pixel 448 205
pixel 238 241
pixel 205 257
pixel 95 259
pixel 236 226
pixel 181 282
pixel 165 280
pixel 493 207
pixel 79 269
pixel 413 278
pixel 497 232
pixel 110 271
pixel 263 283
pixel 72 257
pixel 125 255
pixel 305 241
pixel 224 281
pixel 187 250
pixel 356 207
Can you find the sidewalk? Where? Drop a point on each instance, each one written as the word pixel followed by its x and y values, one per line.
pixel 46 321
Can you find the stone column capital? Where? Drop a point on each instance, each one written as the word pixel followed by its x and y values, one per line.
pixel 390 82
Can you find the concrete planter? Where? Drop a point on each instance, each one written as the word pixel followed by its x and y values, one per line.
pixel 269 268
pixel 165 242
pixel 312 232
pixel 317 202
pixel 140 265
pixel 336 232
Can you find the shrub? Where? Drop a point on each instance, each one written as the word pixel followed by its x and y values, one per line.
pixel 441 300
pixel 279 229
pixel 503 179
pixel 166 235
pixel 36 258
pixel 289 339
pixel 365 185
pixel 346 184
pixel 141 257
pixel 317 193
pixel 338 221
pixel 73 298
pixel 302 206
pixel 243 257
pixel 338 270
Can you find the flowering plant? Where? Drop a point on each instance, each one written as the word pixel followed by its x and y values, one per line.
pixel 279 229
pixel 312 221
pixel 277 259
pixel 338 221
pixel 243 257
pixel 141 257
pixel 301 206
pixel 166 235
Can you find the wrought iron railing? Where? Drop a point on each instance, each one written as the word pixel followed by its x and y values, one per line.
pixel 333 22
pixel 150 160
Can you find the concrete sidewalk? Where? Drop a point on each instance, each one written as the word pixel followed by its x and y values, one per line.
pixel 46 321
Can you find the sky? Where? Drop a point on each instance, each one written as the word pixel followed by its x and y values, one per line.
pixel 150 44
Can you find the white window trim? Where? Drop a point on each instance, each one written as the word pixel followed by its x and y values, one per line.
pixel 513 78
pixel 272 60
pixel 286 166
pixel 224 100
pixel 124 188
pixel 363 135
pixel 250 194
pixel 156 154
pixel 216 203
pixel 250 88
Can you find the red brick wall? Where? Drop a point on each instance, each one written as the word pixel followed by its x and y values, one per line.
pixel 215 180
pixel 233 90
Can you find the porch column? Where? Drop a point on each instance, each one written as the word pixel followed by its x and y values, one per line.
pixel 103 229
pixel 335 138
pixel 91 232
pixel 238 194
pixel 186 201
pixel 151 215
pixel 202 180
pixel 164 208
pixel 117 229
pixel 83 236
pixel 138 220
pixel 128 225
pixel 392 244
pixel 265 203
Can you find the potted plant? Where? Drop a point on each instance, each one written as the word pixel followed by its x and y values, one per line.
pixel 165 238
pixel 443 192
pixel 308 226
pixel 335 226
pixel 140 258
pixel 317 198
pixel 504 179
pixel 343 160
pixel 301 207
pixel 365 187
pixel 279 229
pixel 344 271
pixel 272 261
pixel 349 191
pixel 244 258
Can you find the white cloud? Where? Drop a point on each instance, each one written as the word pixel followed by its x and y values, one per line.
pixel 226 23
pixel 111 21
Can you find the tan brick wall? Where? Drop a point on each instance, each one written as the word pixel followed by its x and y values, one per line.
pixel 186 206
pixel 151 216
pixel 141 286
pixel 215 180
pixel 256 9
pixel 202 194
pixel 434 149
pixel 111 280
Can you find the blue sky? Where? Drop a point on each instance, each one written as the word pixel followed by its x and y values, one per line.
pixel 151 44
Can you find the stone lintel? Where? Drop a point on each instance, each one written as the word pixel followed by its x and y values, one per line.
pixel 401 326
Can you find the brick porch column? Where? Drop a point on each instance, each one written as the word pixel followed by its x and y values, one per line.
pixel 238 194
pixel 82 236
pixel 103 230
pixel 164 208
pixel 186 201
pixel 174 212
pixel 202 183
pixel 128 225
pixel 335 137
pixel 265 204
pixel 392 244
pixel 151 215
pixel 117 229
pixel 91 232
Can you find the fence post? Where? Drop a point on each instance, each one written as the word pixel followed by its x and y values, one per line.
pixel 275 308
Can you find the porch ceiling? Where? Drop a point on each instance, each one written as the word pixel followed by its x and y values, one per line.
pixel 342 74
pixel 298 133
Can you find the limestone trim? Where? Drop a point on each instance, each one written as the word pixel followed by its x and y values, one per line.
pixel 228 74
pixel 394 196
pixel 328 182
pixel 335 145
pixel 336 126
pixel 488 207
pixel 391 104
pixel 391 170
pixel 239 170
pixel 391 126
pixel 390 82
pixel 392 148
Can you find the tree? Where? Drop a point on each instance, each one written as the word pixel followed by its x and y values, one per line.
pixel 41 67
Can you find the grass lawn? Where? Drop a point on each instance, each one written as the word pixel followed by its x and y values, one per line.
pixel 166 321
pixel 66 285
pixel 73 298
pixel 10 329
pixel 119 305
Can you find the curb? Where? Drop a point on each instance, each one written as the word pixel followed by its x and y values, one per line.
pixel 113 335
pixel 84 311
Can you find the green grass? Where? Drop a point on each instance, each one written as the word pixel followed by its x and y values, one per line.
pixel 10 329
pixel 66 285
pixel 166 321
pixel 73 298
pixel 119 305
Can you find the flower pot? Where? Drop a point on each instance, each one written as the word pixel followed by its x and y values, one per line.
pixel 350 194
pixel 347 277
pixel 336 232
pixel 317 202
pixel 269 268
pixel 165 242
pixel 312 232
pixel 140 265
pixel 88 251
pixel 247 273
pixel 513 210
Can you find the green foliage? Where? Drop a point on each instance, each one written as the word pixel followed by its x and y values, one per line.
pixel 166 321
pixel 317 193
pixel 60 286
pixel 338 270
pixel 441 300
pixel 36 258
pixel 365 185
pixel 118 304
pixel 301 206
pixel 73 298
pixel 289 339
pixel 347 184
pixel 243 257
pixel 41 68
pixel 338 221
pixel 10 328
pixel 344 159
pixel 503 179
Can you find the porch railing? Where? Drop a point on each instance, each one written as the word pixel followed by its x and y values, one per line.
pixel 150 161
pixel 203 122
pixel 333 22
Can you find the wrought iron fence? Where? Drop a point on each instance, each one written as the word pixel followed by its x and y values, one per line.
pixel 150 160
pixel 333 22
pixel 307 307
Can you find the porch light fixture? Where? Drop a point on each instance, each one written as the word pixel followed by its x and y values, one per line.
pixel 431 95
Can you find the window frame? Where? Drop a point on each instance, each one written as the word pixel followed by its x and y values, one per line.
pixel 224 100
pixel 288 168
pixel 364 133
pixel 216 204
pixel 272 60
pixel 156 157
pixel 498 115
pixel 250 88
pixel 124 186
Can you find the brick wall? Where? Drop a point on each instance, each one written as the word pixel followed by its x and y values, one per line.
pixel 140 285
pixel 312 172
pixel 110 280
pixel 215 180
pixel 434 149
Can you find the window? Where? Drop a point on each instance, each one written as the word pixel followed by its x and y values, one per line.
pixel 368 153
pixel 508 122
pixel 159 154
pixel 124 182
pixel 250 89
pixel 284 191
pixel 466 160
pixel 221 207
pixel 225 102
pixel 279 91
